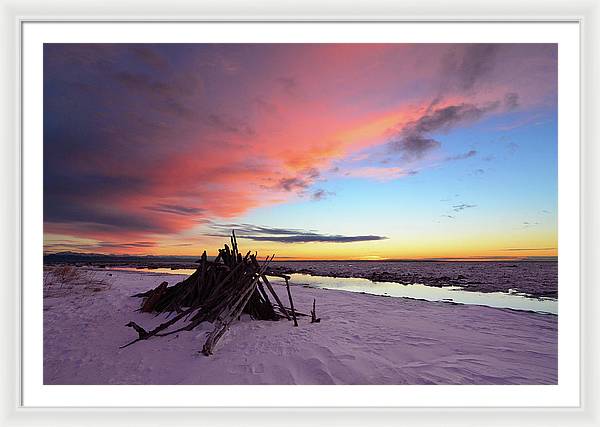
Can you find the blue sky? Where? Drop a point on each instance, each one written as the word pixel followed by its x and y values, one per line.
pixel 310 151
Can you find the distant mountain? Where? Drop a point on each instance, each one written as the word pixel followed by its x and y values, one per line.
pixel 170 260
pixel 76 257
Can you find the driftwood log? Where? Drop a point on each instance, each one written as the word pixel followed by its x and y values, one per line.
pixel 313 313
pixel 287 285
pixel 154 297
pixel 219 291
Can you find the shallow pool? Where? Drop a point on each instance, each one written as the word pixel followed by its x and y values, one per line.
pixel 456 294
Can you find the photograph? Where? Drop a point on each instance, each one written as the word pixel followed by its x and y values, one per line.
pixel 300 214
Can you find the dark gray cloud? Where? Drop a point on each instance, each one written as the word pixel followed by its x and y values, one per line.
pixel 157 94
pixel 125 245
pixel 466 66
pixel 315 238
pixel 294 183
pixel 285 235
pixel 414 146
pixel 142 83
pixel 299 182
pixel 321 194
pixel 149 57
pixel 229 125
pixel 412 141
pixel 67 245
pixel 175 209
pixel 97 218
pixel 265 105
pixel 470 153
pixel 462 207
pixel 175 108
pixel 79 186
pixel 158 87
pixel 445 118
pixel 477 61
pixel 288 84
pixel 511 100
pixel 86 200
pixel 244 228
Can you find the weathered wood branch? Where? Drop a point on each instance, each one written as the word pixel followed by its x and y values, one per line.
pixel 313 313
pixel 287 284
pixel 218 291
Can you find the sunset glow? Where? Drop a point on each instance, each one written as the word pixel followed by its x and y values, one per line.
pixel 308 151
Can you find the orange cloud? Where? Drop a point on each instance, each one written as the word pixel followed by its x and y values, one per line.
pixel 145 143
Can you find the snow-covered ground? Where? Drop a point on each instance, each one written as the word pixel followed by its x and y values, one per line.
pixel 361 339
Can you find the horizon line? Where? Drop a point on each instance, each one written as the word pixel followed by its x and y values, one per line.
pixel 363 259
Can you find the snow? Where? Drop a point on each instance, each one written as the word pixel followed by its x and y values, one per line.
pixel 361 339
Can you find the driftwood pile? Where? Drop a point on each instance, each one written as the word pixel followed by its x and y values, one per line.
pixel 219 292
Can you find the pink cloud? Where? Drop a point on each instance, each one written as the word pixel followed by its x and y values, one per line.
pixel 379 173
pixel 215 134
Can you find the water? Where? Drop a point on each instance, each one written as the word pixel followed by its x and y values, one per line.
pixel 456 294
pixel 538 278
pixel 181 271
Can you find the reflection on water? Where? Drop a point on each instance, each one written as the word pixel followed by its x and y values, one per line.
pixel 180 271
pixel 455 294
pixel 430 293
pixel 539 278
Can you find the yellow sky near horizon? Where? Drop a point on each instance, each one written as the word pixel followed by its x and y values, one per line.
pixel 487 246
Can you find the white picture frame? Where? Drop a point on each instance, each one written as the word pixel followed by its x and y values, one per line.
pixel 16 13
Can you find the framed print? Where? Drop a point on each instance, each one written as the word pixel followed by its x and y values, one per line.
pixel 352 219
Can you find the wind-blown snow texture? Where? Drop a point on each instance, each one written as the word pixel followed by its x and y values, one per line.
pixel 362 339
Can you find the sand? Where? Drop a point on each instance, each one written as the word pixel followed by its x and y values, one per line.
pixel 361 339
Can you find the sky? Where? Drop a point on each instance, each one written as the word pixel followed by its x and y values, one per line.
pixel 308 151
